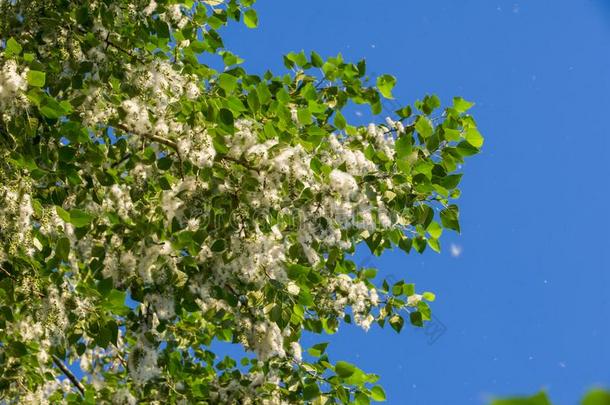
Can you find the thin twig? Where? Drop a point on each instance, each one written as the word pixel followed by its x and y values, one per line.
pixel 240 162
pixel 158 139
pixel 121 359
pixel 123 159
pixel 7 273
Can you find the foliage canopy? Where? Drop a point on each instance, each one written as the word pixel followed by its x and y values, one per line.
pixel 151 204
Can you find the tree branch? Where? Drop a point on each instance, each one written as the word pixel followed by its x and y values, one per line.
pixel 158 139
pixel 68 374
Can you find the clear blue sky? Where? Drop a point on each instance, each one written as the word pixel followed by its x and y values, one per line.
pixel 526 303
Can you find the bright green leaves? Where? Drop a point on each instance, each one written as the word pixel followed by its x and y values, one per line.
pixel 317 350
pixel 13 48
pixel 424 127
pixel 352 375
pixel 435 230
pixel 385 84
pixel 461 106
pixel 114 302
pixel 378 394
pixel 227 82
pixel 349 385
pixel 429 296
pixel 539 399
pixel 80 218
pixel 311 391
pixel 474 138
pixel 340 122
pixel 415 178
pixel 48 106
pixel 36 78
pixel 251 18
pixel 345 369
pixel 428 104
pixel 304 116
pixel 593 397
pixel 296 58
pixel 597 397
pixel 76 217
pixel 403 298
pixel 451 181
pixel 234 104
pixel 316 60
pixel 230 59
pixel 403 147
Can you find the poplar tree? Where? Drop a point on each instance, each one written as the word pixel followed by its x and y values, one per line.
pixel 152 204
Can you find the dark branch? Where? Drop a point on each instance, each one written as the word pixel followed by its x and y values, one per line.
pixel 68 374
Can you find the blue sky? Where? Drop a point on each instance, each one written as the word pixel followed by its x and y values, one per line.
pixel 525 304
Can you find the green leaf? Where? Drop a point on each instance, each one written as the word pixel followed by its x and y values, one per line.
pixel 419 244
pixel 466 149
pixel 408 289
pixel 226 117
pixel 251 18
pixel 36 78
pixel 316 60
pixel 451 181
pixel 51 108
pixel 385 84
pixel 340 120
pixel 264 94
pixel 378 394
pixel 80 218
pixel 63 214
pixel 397 322
pixel 361 399
pixel 304 116
pixel 218 246
pixel 435 230
pixel 474 138
pixel 424 127
pixel 12 47
pixel 62 249
pixel 227 82
pixel 165 163
pixel 538 399
pixel 403 146
pixel 116 297
pixel 416 319
pixel 299 58
pixel 236 105
pixel 450 218
pixel 429 296
pixel 460 105
pixel 311 391
pixel 344 369
pixel 317 350
pixel 430 103
pixel 596 397
pixel 404 112
pixel 434 245
pixel 17 349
